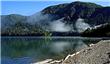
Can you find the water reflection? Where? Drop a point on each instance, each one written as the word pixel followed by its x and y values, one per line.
pixel 25 50
pixel 59 46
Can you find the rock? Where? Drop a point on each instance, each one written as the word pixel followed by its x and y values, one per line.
pixel 43 62
pixel 49 61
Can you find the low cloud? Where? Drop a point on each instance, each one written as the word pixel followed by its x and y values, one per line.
pixel 38 18
pixel 81 25
pixel 60 26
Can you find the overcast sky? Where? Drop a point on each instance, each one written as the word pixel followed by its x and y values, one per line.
pixel 29 7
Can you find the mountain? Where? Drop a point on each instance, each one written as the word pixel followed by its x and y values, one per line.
pixel 63 19
pixel 92 13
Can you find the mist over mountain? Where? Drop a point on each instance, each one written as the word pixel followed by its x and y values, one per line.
pixel 67 18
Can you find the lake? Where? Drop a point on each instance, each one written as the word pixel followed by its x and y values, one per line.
pixel 26 50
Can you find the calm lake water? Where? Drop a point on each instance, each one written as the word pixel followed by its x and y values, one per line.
pixel 26 50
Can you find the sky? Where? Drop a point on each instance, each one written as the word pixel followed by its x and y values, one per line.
pixel 29 7
pixel 25 7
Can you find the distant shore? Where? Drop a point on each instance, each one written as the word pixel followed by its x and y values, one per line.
pixel 101 38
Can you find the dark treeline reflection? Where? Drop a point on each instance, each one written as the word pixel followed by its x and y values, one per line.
pixel 31 49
